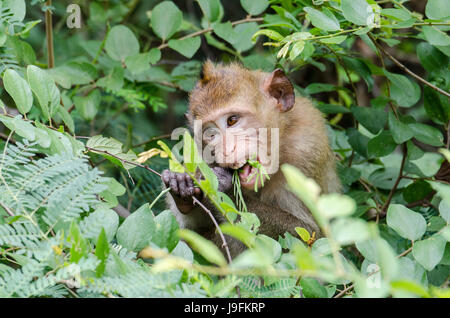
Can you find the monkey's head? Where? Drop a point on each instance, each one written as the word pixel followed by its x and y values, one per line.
pixel 239 110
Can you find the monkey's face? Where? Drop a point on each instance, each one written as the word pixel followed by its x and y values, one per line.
pixel 233 136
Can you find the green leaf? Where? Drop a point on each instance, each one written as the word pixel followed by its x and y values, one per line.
pixel 67 119
pixel 225 31
pixel 187 47
pixel 166 19
pixel 434 36
pixel 429 252
pixel 381 145
pixel 311 288
pixel 431 58
pixel 303 233
pixel 399 130
pixel 21 127
pixel 273 35
pixel 254 7
pixel 113 81
pixel 426 166
pixel 211 9
pixel 121 43
pixel 437 9
pixel 166 230
pixel 79 246
pixel 416 191
pixel 427 134
pixel 205 248
pixel 349 230
pixel 19 90
pixel 323 20
pixel 102 252
pixel 405 222
pixel 436 105
pixel 100 220
pixel 239 233
pixel 154 55
pixel 335 205
pixel 137 230
pixel 396 14
pixel 444 210
pixel 138 63
pixel 334 40
pixel 244 33
pixel 88 106
pixel 371 118
pixel 361 68
pixel 357 11
pixel 296 49
pixel 358 141
pixel 403 91
pixel 43 86
pixel 16 7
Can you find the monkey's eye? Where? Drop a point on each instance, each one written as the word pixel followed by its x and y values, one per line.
pixel 232 120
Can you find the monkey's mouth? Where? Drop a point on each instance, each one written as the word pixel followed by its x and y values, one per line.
pixel 248 176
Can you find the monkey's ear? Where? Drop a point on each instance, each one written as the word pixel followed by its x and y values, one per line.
pixel 279 87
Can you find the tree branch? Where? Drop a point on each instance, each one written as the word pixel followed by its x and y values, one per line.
pixel 407 70
pixel 49 35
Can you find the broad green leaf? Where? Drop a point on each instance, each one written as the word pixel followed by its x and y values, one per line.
pixel 43 86
pixel 405 222
pixel 296 49
pixel 371 118
pixel 358 141
pixel 444 210
pixel 166 19
pixel 335 205
pixel 19 90
pixel 431 58
pixel 88 106
pixel 416 191
pixel 100 220
pixel 137 231
pixel 427 134
pixel 397 14
pixel 16 7
pixel 426 166
pixel 436 105
pixel 166 235
pixel 102 252
pixel 154 55
pixel 67 119
pixel 403 91
pixel 334 40
pixel 437 9
pixel 113 81
pixel 205 248
pixel 303 233
pixel 429 252
pixel 211 9
pixel 357 11
pixel 361 68
pixel 399 130
pixel 21 127
pixel 381 145
pixel 323 20
pixel 138 63
pixel 254 7
pixel 79 247
pixel 187 47
pixel 225 31
pixel 311 288
pixel 244 33
pixel 349 230
pixel 434 36
pixel 121 43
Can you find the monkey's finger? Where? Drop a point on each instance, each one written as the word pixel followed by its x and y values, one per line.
pixel 182 187
pixel 166 177
pixel 197 192
pixel 190 184
pixel 173 183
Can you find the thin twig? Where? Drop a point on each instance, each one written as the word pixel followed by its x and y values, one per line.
pixel 6 209
pixel 49 35
pixel 164 45
pixel 407 70
pixel 224 241
pixel 123 160
pixel 394 188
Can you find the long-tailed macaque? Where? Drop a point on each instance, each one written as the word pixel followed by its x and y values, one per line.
pixel 231 98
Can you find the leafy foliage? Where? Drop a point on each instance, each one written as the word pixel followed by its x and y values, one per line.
pixel 76 156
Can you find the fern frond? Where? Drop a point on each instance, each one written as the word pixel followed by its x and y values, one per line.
pixel 19 234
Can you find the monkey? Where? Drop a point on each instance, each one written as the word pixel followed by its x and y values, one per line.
pixel 229 98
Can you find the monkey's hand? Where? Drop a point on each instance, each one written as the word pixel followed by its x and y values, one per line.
pixel 182 189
